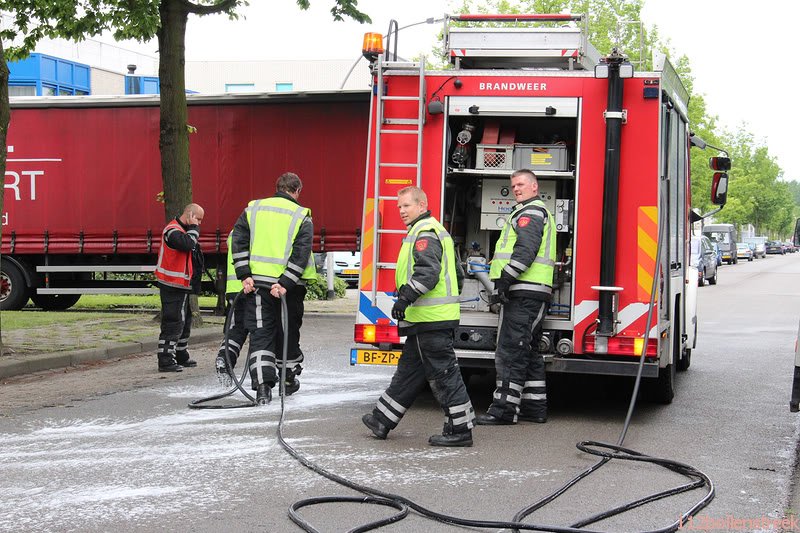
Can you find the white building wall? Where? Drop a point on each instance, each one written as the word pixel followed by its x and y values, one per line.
pixel 110 64
pixel 304 75
pixel 105 82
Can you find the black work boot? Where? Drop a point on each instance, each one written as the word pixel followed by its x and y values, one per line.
pixel 487 419
pixel 263 394
pixel 291 386
pixel 378 429
pixel 532 418
pixel 452 439
pixel 184 360
pixel 168 365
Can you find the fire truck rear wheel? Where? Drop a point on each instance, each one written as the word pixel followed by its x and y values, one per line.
pixel 55 302
pixel 686 360
pixel 662 388
pixel 13 289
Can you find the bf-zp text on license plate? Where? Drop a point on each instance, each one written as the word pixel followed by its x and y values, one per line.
pixel 373 357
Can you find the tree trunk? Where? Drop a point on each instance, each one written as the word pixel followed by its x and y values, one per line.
pixel 174 137
pixel 176 174
pixel 5 118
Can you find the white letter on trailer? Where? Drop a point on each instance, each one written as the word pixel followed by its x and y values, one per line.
pixel 14 184
pixel 33 174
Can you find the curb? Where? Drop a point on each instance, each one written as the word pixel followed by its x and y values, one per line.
pixel 11 366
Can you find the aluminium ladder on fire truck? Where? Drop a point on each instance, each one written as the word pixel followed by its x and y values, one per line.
pixel 412 125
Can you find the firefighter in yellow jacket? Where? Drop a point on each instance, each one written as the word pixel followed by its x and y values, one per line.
pixel 271 253
pixel 522 270
pixel 429 280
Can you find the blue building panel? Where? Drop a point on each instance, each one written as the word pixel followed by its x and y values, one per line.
pixel 48 68
pixel 82 76
pixel 141 85
pixel 51 75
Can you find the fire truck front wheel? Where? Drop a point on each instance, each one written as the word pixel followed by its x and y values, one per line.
pixel 13 289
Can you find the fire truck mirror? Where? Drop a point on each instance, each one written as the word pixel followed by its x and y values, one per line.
pixel 722 164
pixel 719 188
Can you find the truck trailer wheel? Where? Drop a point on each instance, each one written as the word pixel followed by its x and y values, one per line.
pixel 13 290
pixel 55 302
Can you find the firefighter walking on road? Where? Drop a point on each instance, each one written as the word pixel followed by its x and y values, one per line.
pixel 179 270
pixel 429 280
pixel 522 270
pixel 271 253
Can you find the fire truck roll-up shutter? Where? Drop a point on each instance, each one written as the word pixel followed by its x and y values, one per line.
pixel 513 106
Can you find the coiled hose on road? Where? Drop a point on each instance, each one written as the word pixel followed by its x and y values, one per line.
pixel 605 451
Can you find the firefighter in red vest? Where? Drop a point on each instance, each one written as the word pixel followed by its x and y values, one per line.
pixel 180 267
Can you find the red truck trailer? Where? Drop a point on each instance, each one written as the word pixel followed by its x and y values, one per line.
pixel 83 178
pixel 610 147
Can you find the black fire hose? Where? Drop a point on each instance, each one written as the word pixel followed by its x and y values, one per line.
pixel 605 451
pixel 403 505
pixel 237 383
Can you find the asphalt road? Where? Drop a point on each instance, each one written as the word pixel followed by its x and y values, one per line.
pixel 140 460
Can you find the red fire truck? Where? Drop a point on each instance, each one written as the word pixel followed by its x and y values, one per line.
pixel 83 176
pixel 610 147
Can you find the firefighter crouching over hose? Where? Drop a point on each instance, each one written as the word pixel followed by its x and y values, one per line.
pixel 271 253
pixel 522 270
pixel 427 311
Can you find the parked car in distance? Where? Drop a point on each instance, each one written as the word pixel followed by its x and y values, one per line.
pixel 790 247
pixel 775 247
pixel 704 257
pixel 725 236
pixel 743 251
pixel 347 265
pixel 758 244
pixel 718 252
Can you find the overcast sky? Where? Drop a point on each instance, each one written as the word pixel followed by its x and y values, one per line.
pixel 743 54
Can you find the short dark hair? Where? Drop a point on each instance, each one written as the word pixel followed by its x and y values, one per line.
pixel 525 172
pixel 288 182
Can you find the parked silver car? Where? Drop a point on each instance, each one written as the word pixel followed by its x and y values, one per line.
pixel 704 257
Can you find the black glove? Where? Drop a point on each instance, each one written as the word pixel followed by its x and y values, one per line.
pixel 501 287
pixel 399 308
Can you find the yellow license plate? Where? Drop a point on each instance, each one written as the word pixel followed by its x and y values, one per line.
pixel 374 357
pixel 350 271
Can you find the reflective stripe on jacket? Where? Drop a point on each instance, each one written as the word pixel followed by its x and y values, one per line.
pixel 232 283
pixel 174 267
pixel 440 303
pixel 538 276
pixel 274 223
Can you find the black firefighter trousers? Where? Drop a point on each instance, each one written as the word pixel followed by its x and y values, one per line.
pixel 262 320
pixel 176 325
pixel 428 356
pixel 237 332
pixel 521 388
